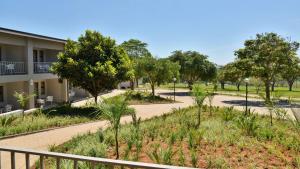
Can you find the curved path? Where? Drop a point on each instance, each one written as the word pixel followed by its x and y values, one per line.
pixel 42 140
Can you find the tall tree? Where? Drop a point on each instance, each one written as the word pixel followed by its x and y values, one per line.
pixel 94 63
pixel 193 66
pixel 265 55
pixel 135 50
pixel 291 71
pixel 158 71
pixel 234 74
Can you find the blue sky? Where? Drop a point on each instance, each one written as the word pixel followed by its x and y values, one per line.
pixel 213 27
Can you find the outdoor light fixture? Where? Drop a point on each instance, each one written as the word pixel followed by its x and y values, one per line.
pixel 247 82
pixel 174 80
pixel 31 82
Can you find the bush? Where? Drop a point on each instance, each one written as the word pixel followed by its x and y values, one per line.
pixel 248 124
pixel 228 114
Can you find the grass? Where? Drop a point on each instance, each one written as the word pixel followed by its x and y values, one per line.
pixel 39 120
pixel 231 89
pixel 224 140
pixel 143 97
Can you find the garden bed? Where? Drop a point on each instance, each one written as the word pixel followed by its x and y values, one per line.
pixel 40 120
pixel 143 98
pixel 227 139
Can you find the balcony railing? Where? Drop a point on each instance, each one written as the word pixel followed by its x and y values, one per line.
pixel 12 68
pixel 77 158
pixel 42 67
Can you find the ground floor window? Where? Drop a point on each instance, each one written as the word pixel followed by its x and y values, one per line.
pixel 1 94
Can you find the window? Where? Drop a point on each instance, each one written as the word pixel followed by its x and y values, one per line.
pixel 1 94
pixel 43 89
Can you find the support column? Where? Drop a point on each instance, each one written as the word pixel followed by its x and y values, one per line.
pixel 29 56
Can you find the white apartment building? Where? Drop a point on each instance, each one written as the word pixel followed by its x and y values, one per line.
pixel 25 59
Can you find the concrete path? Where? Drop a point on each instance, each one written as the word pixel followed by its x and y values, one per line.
pixel 42 141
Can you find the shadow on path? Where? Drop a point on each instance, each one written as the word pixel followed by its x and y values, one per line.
pixel 176 93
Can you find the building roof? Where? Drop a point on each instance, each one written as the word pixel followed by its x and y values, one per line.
pixel 30 35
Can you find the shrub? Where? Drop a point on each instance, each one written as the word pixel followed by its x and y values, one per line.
pixel 228 114
pixel 248 124
pixel 265 133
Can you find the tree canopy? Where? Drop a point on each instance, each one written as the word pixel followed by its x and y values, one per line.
pixel 194 66
pixel 265 56
pixel 94 63
pixel 135 50
pixel 158 71
pixel 291 71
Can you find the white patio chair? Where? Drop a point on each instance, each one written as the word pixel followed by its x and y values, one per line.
pixel 49 99
pixel 10 68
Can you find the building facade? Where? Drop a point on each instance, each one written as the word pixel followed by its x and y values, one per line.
pixel 25 61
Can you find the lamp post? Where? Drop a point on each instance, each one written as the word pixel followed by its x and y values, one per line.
pixel 247 81
pixel 174 80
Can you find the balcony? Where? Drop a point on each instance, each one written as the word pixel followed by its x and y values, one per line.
pixel 12 68
pixel 42 67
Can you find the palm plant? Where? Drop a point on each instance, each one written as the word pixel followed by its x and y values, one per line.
pixel 23 99
pixel 113 110
pixel 199 97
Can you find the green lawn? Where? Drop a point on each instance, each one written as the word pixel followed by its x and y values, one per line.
pixel 227 139
pixel 281 91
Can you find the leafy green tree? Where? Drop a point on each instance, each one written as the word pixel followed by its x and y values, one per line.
pixel 221 76
pixel 291 71
pixel 194 66
pixel 158 71
pixel 135 50
pixel 234 74
pixel 94 63
pixel 199 97
pixel 113 110
pixel 167 71
pixel 265 56
pixel 23 99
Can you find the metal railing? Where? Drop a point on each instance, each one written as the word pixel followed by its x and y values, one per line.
pixel 42 67
pixel 77 158
pixel 12 68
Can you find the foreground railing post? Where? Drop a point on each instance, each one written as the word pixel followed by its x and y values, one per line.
pixel 41 162
pixel 27 161
pixel 93 165
pixel 12 160
pixel 57 163
pixel 75 164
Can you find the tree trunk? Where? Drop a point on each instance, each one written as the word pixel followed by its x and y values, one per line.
pixel 267 90
pixel 273 86
pixel 117 144
pixel 132 84
pixel 238 86
pixel 153 90
pixel 290 85
pixel 190 85
pixel 137 82
pixel 96 99
pixel 222 85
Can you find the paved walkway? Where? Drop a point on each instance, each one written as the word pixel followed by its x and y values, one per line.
pixel 42 141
